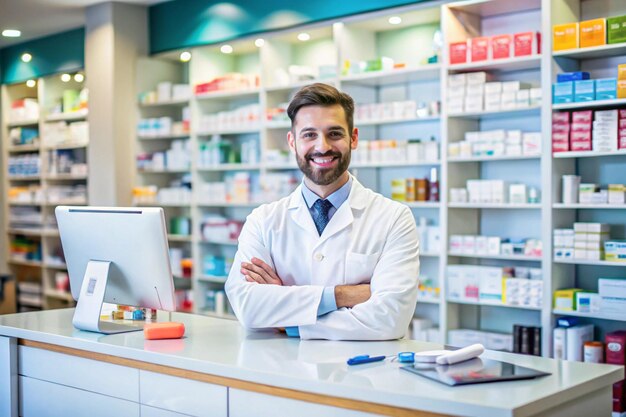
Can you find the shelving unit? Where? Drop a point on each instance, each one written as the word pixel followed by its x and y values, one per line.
pixel 61 132
pixel 365 37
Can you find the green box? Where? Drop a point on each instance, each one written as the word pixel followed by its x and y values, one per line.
pixel 616 29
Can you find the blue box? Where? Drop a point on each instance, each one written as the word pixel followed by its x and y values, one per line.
pixel 563 92
pixel 572 76
pixel 584 90
pixel 606 88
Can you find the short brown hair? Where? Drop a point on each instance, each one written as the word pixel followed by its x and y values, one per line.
pixel 320 94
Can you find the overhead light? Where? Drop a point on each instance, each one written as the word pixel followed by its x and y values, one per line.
pixel 226 49
pixel 259 42
pixel 79 78
pixel 11 33
pixel 185 56
pixel 395 20
pixel 26 57
pixel 66 78
pixel 304 36
pixel 31 83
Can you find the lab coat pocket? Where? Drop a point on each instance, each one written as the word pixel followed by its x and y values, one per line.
pixel 360 267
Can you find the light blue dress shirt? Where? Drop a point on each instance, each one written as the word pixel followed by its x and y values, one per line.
pixel 328 302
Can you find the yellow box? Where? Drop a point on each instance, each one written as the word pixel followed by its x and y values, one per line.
pixel 566 299
pixel 592 32
pixel 621 88
pixel 565 36
pixel 621 72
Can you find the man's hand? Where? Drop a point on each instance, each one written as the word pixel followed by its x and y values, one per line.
pixel 351 295
pixel 260 272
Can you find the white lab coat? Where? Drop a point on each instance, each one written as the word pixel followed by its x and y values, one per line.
pixel 370 239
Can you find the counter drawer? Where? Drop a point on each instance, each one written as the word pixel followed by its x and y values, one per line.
pixel 40 398
pixel 181 395
pixel 246 403
pixel 73 371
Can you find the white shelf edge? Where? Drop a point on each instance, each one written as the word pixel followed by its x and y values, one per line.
pixel 23 148
pixel 373 75
pixel 230 167
pixel 589 104
pixel 513 112
pixel 227 94
pixel 180 102
pixel 242 131
pixel 589 315
pixel 453 160
pixel 358 123
pixel 494 206
pixel 220 242
pixel 164 137
pixel 588 154
pixel 583 53
pixel 212 278
pixel 589 206
pixel 495 64
pixel 428 301
pixel 478 303
pixel 499 257
pixel 393 164
pixel 30 122
pixel 588 262
pixel 67 117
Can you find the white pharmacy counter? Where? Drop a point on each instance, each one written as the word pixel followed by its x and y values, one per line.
pixel 48 368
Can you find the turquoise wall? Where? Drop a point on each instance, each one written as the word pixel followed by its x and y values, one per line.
pixel 63 52
pixel 185 23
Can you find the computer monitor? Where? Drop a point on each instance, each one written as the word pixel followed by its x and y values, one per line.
pixel 115 255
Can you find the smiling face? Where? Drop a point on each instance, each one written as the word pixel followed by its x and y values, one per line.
pixel 322 143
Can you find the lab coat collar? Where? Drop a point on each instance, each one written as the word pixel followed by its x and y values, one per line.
pixel 357 200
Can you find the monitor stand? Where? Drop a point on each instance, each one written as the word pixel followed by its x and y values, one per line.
pixel 89 305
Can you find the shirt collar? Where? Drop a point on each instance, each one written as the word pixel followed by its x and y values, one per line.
pixel 336 199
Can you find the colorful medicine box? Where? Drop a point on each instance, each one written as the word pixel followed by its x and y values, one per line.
pixel 566 299
pixel 458 52
pixel 479 49
pixel 606 88
pixel 565 36
pixel 563 92
pixel 501 46
pixel 572 76
pixel 621 88
pixel 592 32
pixel 526 43
pixel 616 29
pixel 584 90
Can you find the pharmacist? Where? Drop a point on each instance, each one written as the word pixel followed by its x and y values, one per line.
pixel 333 260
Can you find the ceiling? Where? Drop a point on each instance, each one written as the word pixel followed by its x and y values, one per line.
pixel 38 18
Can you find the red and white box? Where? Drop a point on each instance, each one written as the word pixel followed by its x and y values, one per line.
pixel 526 43
pixel 615 351
pixel 458 52
pixel 622 114
pixel 560 117
pixel 561 127
pixel 501 46
pixel 580 140
pixel 560 146
pixel 479 49
pixel 580 127
pixel 583 116
pixel 560 141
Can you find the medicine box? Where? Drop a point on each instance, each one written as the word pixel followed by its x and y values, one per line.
pixel 584 90
pixel 565 36
pixel 606 88
pixel 458 52
pixel 479 77
pixel 490 285
pixel 565 299
pixel 615 250
pixel 526 43
pixel 501 46
pixel 588 302
pixel 572 76
pixel 616 29
pixel 563 92
pixel 479 49
pixel 592 32
pixel 613 295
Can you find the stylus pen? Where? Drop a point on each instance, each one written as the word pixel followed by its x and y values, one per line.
pixel 357 360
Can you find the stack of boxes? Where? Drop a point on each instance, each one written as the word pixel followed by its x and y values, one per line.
pixel 579 87
pixel 589 33
pixel 589 240
pixel 586 134
pixel 610 299
pixel 494 192
pixel 615 354
pixel 495 47
pixel 497 143
pixel 471 92
pixel 494 245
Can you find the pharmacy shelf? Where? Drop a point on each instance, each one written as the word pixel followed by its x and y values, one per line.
pixel 164 137
pixel 60 295
pixel 589 262
pixel 429 254
pixel 230 167
pixel 505 64
pixel 55 265
pixel 428 301
pixel 502 257
pixel 50 232
pixel 477 303
pixel 491 158
pixel 495 206
pixel 589 206
pixel 588 154
pixel 66 146
pixel 590 104
pixel 396 76
pixel 67 117
pixel 278 124
pixel 179 238
pixel 231 242
pixel 24 177
pixel 600 316
pixel 23 123
pixel 212 278
pixel 66 203
pixel 422 204
pixel 63 177
pixel 22 148
pixel 23 203
pixel 21 262
pixel 164 171
pixel 222 95
pixel 25 232
pixel 393 164
pixel 166 103
pixel 603 51
pixel 241 131
pixel 427 119
pixel 522 112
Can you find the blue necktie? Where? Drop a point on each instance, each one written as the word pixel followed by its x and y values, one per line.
pixel 320 217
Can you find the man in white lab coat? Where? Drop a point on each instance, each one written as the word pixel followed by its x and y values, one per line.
pixel 333 260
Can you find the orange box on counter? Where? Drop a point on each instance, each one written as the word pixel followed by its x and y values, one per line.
pixel 565 36
pixel 458 52
pixel 501 46
pixel 526 43
pixel 592 32
pixel 479 49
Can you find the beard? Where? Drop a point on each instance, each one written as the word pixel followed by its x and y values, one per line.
pixel 323 176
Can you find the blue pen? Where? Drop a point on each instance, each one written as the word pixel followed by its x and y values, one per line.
pixel 357 360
